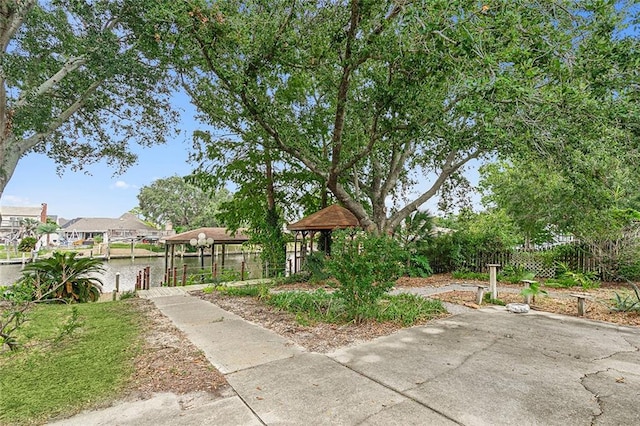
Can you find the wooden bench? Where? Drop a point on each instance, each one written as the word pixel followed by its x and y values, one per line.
pixel 581 298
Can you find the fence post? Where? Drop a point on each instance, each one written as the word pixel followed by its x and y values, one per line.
pixel 242 272
pixel 138 281
pixel 215 269
pixel 184 274
pixel 175 276
pixel 147 273
pixel 117 288
pixel 168 277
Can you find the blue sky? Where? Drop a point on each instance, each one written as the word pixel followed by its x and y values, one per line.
pixel 103 194
pixel 100 194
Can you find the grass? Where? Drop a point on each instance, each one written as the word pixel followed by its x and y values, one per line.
pixel 62 369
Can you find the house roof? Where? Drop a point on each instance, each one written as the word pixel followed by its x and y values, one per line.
pixel 219 235
pixel 127 221
pixel 329 218
pixel 21 211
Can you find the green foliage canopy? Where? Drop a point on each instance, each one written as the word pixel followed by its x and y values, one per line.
pixel 185 205
pixel 594 201
pixel 75 84
pixel 386 102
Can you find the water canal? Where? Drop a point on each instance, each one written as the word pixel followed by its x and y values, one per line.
pixel 129 268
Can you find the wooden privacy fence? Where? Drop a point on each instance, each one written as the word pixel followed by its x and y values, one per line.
pixel 539 261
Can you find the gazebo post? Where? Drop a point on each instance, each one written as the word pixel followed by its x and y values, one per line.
pixel 295 253
pixel 166 256
pixel 173 255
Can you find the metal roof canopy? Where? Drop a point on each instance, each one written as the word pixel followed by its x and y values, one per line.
pixel 220 236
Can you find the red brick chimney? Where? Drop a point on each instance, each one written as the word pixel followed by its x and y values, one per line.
pixel 43 213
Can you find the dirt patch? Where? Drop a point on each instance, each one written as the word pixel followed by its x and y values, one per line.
pixel 168 361
pixel 597 306
pixel 318 337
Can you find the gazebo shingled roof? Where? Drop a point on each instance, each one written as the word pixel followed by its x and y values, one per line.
pixel 327 219
pixel 219 235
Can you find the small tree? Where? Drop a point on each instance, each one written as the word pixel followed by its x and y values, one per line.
pixel 366 266
pixel 47 229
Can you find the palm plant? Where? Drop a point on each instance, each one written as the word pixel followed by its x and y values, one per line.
pixel 414 234
pixel 47 229
pixel 28 227
pixel 63 276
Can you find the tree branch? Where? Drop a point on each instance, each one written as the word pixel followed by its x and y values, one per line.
pixel 448 168
pixel 341 101
pixel 69 66
pixel 12 19
pixel 33 140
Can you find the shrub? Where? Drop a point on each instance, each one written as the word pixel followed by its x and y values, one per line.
pixel 27 244
pixel 419 266
pixel 366 267
pixel 629 271
pixel 515 273
pixel 567 278
pixel 260 290
pixel 315 265
pixel 64 277
pixel 315 306
pixel 407 309
pixel 627 302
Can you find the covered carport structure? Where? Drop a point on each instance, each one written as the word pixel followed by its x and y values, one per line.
pixel 217 236
pixel 322 222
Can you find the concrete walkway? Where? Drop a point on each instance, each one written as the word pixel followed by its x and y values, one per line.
pixel 483 367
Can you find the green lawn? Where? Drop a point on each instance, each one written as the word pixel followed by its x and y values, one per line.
pixel 65 366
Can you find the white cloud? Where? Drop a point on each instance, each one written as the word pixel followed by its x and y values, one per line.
pixel 13 200
pixel 122 185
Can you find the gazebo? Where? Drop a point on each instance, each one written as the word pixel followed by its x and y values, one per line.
pixel 220 236
pixel 323 222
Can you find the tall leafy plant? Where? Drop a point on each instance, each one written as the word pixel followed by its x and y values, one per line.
pixel 365 266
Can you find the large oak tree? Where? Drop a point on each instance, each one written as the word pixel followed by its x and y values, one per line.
pixel 386 102
pixel 75 85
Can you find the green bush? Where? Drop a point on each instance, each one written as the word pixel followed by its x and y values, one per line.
pixel 65 277
pixel 419 266
pixel 309 307
pixel 260 290
pixel 407 309
pixel 566 278
pixel 515 274
pixel 366 267
pixel 468 275
pixel 629 271
pixel 27 244
pixel 315 265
